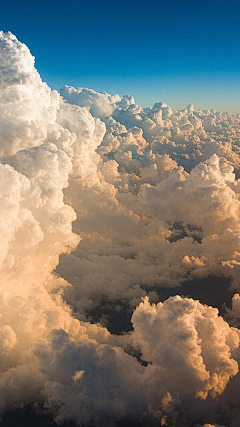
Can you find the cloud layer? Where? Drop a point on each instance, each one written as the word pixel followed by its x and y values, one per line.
pixel 162 201
pixel 105 206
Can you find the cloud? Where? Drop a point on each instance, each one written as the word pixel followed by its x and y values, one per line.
pixel 197 359
pixel 104 203
pixel 99 104
pixel 27 105
pixel 151 226
pixel 156 148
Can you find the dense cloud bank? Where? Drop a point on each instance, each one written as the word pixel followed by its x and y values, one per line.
pixel 106 209
pixel 162 201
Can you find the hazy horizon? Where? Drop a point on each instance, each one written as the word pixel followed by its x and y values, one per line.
pixel 178 52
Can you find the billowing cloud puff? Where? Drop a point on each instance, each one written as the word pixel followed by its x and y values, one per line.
pixel 197 359
pixel 27 105
pixel 135 202
pixel 99 104
pixel 93 383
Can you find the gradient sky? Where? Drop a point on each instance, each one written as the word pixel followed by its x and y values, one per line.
pixel 179 52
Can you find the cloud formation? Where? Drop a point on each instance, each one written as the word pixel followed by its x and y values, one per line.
pixel 162 202
pixel 103 206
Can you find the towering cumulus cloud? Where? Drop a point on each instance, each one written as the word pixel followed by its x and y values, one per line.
pixel 110 212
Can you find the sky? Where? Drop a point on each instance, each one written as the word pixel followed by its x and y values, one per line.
pixel 179 52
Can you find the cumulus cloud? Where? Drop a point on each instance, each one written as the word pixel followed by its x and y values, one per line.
pixel 27 105
pixel 197 359
pixel 162 204
pixel 107 208
pixel 99 104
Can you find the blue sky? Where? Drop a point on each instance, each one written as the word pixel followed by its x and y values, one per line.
pixel 179 52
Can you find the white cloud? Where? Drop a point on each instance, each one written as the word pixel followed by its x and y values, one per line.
pixel 99 104
pixel 27 105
